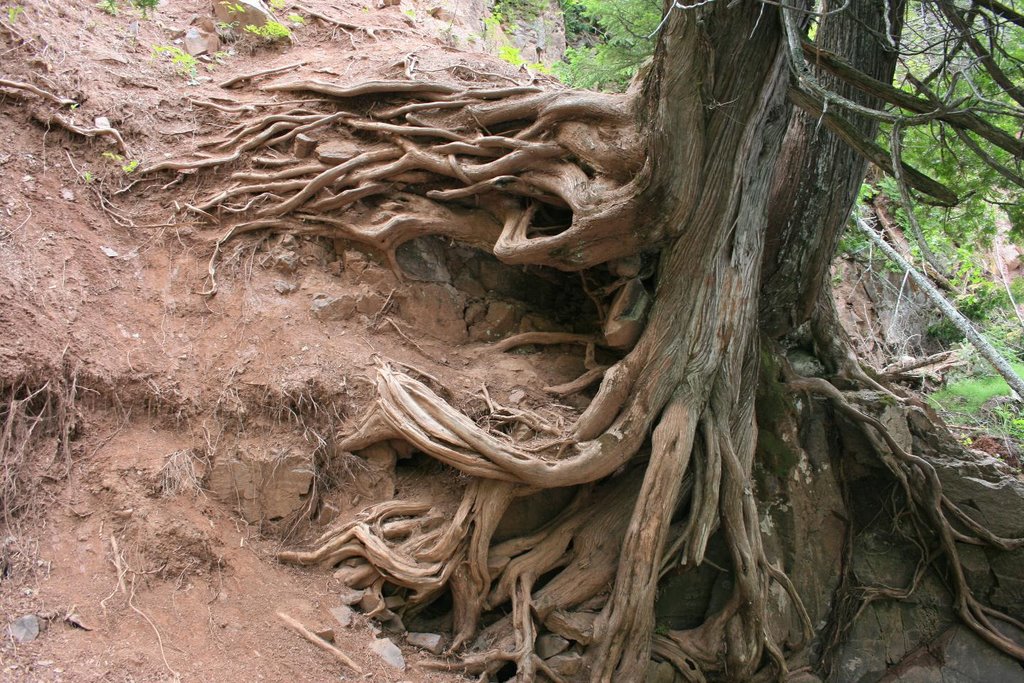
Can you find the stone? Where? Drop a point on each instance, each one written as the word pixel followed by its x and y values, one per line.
pixel 25 629
pixel 242 13
pixel 335 152
pixel 350 596
pixel 441 13
pixel 501 319
pixel 566 664
pixel 343 614
pixel 284 287
pixel 199 42
pixel 437 309
pixel 394 601
pixel 325 634
pixel 475 312
pixel 431 642
pixel 266 484
pixel 389 652
pixel 334 308
pixel 578 626
pixel 549 645
pixel 423 259
pixel 626 315
pixel 285 260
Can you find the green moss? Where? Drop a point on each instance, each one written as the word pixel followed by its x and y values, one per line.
pixel 775 454
pixel 773 407
pixel 969 394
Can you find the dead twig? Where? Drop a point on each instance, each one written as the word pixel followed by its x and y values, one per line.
pixel 319 642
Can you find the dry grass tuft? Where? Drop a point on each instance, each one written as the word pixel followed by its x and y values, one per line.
pixel 38 419
pixel 179 474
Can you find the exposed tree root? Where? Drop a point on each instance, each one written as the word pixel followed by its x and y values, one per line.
pixel 663 456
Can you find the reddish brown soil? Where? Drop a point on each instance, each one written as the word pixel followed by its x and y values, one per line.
pixel 161 368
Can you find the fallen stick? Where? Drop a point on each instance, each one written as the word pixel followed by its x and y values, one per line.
pixel 319 642
pixel 266 72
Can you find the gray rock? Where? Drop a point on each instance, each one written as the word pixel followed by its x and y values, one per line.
pixel 431 642
pixel 284 287
pixel 549 645
pixel 285 260
pixel 265 484
pixel 389 652
pixel 423 259
pixel 253 13
pixel 326 307
pixel 343 615
pixel 199 42
pixel 24 629
pixel 566 664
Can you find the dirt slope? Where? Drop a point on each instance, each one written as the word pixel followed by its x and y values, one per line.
pixel 101 307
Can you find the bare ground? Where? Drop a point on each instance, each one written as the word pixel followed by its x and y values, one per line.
pixel 102 290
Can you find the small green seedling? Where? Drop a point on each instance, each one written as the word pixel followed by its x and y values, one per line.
pixel 126 165
pixel 13 12
pixel 278 4
pixel 296 19
pixel 272 31
pixel 184 63
pixel 109 6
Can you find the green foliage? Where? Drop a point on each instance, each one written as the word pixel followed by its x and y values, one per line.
pixel 296 19
pixel 968 394
pixel 128 166
pixel 610 40
pixel 272 31
pixel 109 6
pixel 511 55
pixel 278 5
pixel 145 6
pixel 13 12
pixel 184 63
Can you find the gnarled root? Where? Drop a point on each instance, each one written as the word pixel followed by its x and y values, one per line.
pixel 440 158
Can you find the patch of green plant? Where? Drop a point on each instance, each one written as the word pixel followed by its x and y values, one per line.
pixel 145 6
pixel 278 4
pixel 109 6
pixel 127 165
pixel 184 63
pixel 13 12
pixel 968 394
pixel 510 54
pixel 87 177
pixel 296 19
pixel 609 41
pixel 272 31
